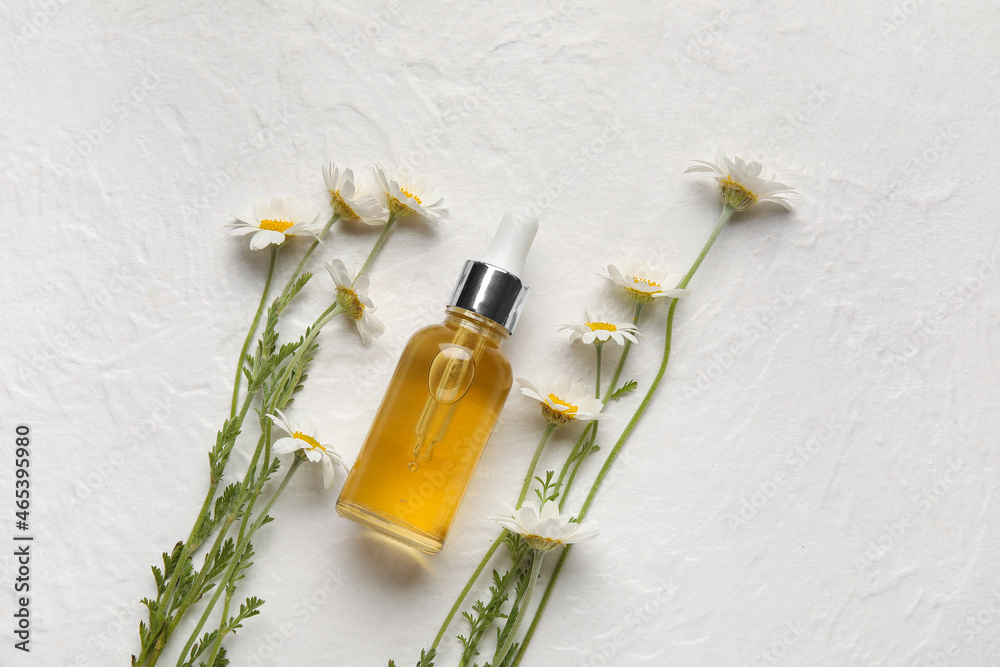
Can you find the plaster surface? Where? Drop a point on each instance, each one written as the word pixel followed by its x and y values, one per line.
pixel 814 483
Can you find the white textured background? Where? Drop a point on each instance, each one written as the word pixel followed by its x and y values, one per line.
pixel 815 482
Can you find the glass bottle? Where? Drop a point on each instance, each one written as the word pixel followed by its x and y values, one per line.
pixel 442 402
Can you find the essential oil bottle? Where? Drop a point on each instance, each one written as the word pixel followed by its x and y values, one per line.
pixel 443 400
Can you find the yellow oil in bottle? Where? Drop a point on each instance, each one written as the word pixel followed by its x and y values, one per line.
pixel 430 431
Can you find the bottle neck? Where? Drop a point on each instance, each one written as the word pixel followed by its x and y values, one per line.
pixel 484 326
pixel 490 291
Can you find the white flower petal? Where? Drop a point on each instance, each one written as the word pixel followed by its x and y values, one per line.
pixel 545 527
pixel 572 400
pixel 307 426
pixel 739 176
pixel 329 472
pixel 299 215
pixel 281 420
pixel 260 209
pixel 243 231
pixel 286 445
pixel 419 198
pixel 261 240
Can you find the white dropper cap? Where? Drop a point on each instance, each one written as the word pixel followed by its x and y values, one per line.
pixel 513 240
pixel 492 286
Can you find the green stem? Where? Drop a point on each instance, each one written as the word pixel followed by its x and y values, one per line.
pixel 597 384
pixel 264 444
pixel 217 644
pixel 334 309
pixel 378 244
pixel 576 468
pixel 468 587
pixel 186 551
pixel 727 212
pixel 522 609
pixel 600 478
pixel 189 547
pixel 282 399
pixel 574 453
pixel 231 570
pixel 309 252
pixel 253 330
pixel 609 461
pixel 263 301
pixel 581 451
pixel 499 594
pixel 549 428
pixel 637 311
pixel 541 606
pixel 618 372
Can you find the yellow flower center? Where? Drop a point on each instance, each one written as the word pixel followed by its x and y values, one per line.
pixel 736 195
pixel 570 408
pixel 602 326
pixel 410 195
pixel 311 441
pixel 539 543
pixel 349 301
pixel 341 208
pixel 275 225
pixel 651 283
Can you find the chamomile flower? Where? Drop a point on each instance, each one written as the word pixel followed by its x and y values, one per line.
pixel 743 183
pixel 303 436
pixel 544 528
pixel 406 192
pixel 600 330
pixel 642 282
pixel 276 220
pixel 348 200
pixel 352 296
pixel 563 400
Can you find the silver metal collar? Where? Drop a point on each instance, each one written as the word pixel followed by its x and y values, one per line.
pixel 491 292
